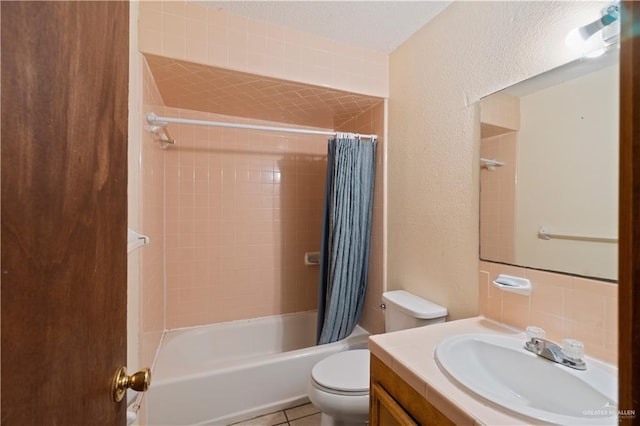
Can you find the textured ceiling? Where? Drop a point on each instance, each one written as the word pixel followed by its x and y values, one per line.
pixel 204 88
pixel 377 25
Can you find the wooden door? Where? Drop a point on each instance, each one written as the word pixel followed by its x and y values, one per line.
pixel 64 209
pixel 629 218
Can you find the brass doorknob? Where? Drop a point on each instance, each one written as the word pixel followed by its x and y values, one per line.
pixel 138 381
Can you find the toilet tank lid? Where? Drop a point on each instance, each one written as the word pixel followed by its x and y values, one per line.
pixel 413 305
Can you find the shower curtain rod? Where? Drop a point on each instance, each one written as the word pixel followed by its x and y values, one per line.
pixel 160 123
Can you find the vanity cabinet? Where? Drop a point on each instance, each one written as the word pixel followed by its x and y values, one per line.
pixel 394 403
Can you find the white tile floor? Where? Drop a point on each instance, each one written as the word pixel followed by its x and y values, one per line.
pixel 302 415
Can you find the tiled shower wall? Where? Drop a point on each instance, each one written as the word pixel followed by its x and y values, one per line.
pixel 242 208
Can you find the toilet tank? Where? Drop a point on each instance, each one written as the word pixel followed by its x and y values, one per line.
pixel 406 310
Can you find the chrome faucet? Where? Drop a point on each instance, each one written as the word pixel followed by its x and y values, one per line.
pixel 570 354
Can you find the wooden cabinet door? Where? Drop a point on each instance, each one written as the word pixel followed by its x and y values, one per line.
pixel 385 411
pixel 64 210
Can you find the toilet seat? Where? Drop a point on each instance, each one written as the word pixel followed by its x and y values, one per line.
pixel 344 373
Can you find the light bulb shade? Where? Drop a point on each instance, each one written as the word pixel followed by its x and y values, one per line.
pixel 574 40
pixel 589 30
pixel 581 39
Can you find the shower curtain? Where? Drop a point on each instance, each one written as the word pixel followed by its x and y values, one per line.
pixel 344 254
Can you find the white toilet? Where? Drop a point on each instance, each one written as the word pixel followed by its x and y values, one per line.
pixel 339 384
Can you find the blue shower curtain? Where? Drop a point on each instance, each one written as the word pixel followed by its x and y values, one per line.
pixel 344 254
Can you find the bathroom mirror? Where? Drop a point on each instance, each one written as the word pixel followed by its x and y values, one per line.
pixel 549 170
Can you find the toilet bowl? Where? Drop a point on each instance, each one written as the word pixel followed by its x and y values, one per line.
pixel 339 384
pixel 339 387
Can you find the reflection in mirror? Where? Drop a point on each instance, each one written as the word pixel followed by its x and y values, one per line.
pixel 549 170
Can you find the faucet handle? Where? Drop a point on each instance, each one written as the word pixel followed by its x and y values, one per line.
pixel 573 349
pixel 535 332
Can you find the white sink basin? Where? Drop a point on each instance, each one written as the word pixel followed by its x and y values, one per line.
pixel 498 369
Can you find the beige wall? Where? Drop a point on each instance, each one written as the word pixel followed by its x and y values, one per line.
pixel 190 31
pixel 470 50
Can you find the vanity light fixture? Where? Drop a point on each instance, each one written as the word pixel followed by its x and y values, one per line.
pixel 584 40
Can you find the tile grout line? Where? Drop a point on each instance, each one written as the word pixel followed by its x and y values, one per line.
pixel 299 418
pixel 288 421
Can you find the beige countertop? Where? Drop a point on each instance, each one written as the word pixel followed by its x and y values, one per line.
pixel 410 354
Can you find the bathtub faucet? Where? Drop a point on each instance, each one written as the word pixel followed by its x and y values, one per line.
pixel 570 354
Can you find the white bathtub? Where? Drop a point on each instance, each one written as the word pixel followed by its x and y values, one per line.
pixel 222 373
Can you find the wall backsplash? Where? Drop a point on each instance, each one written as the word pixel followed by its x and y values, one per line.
pixel 565 306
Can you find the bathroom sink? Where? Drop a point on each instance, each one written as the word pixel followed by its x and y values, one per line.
pixel 499 370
